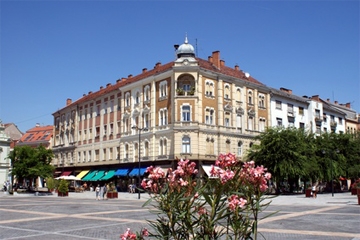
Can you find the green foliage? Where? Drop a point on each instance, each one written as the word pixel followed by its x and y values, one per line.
pixel 51 183
pixel 29 163
pixel 290 153
pixel 63 186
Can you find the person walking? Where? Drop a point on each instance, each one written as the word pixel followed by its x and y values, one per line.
pixel 105 190
pixel 97 192
pixel 314 190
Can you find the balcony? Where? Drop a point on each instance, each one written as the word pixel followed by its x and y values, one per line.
pixel 318 121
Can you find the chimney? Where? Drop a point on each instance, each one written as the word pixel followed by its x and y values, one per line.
pixel 328 100
pixel 286 90
pixel 37 125
pixel 119 80
pixel 101 87
pixel 336 102
pixel 216 57
pixel 348 105
pixel 210 59
pixel 130 75
pixel 68 101
pixel 84 94
pixel 144 70
pixel 237 67
pixel 123 79
pixel 158 64
pixel 90 92
pixel 108 85
pixel 222 63
pixel 315 97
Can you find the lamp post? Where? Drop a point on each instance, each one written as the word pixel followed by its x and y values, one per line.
pixel 332 171
pixel 139 130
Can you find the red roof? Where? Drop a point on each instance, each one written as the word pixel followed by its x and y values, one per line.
pixel 37 135
pixel 160 69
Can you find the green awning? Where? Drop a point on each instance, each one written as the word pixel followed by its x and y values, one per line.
pixel 98 176
pixel 89 175
pixel 108 175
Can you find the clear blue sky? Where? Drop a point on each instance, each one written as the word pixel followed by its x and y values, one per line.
pixel 54 50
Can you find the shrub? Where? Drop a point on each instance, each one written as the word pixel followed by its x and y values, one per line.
pixel 227 205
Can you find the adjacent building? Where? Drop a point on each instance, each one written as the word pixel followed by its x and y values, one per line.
pixel 5 163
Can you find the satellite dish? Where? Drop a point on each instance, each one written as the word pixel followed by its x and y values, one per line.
pixel 247 75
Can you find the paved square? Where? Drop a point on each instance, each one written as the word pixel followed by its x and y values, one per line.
pixel 80 216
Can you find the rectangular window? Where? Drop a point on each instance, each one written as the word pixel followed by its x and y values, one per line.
pixel 278 104
pixel 340 121
pixel 279 121
pixel 227 122
pixel 185 145
pixel 301 111
pixel 186 113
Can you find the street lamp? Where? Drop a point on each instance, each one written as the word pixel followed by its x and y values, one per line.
pixel 332 172
pixel 139 129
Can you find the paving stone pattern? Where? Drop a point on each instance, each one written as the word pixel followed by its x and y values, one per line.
pixel 80 216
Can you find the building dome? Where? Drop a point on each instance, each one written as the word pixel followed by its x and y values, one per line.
pixel 185 50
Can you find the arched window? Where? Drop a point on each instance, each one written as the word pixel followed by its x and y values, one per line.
pixel 239 150
pixel 127 100
pixel 261 101
pixel 262 124
pixel 228 145
pixel 250 97
pixel 238 95
pixel 147 94
pixel 186 145
pixel 137 98
pixel 227 92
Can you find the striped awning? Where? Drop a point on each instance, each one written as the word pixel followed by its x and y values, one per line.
pixel 122 172
pixel 89 175
pixel 82 174
pixel 98 176
pixel 66 173
pixel 109 174
pixel 135 172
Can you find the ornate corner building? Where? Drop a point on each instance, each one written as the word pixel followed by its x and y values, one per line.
pixel 188 108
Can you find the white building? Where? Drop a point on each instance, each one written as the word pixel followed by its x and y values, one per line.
pixel 5 162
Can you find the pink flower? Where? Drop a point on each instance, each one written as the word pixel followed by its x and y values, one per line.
pixel 183 183
pixel 202 211
pixel 128 235
pixel 234 202
pixel 145 232
pixel 226 175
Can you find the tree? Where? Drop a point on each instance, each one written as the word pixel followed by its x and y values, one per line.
pixel 29 163
pixel 288 153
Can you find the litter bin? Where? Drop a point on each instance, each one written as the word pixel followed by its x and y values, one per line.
pixel 308 193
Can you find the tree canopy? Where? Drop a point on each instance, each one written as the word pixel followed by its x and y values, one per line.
pixel 29 163
pixel 290 153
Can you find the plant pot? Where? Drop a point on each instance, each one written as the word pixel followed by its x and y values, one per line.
pixel 63 194
pixel 308 193
pixel 112 195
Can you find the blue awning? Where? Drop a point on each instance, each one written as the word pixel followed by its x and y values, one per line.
pixel 122 172
pixel 135 172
